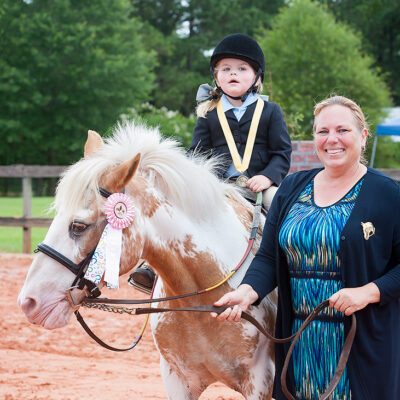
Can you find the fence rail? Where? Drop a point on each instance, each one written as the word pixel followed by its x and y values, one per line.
pixel 27 172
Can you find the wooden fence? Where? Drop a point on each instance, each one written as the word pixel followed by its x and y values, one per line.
pixel 27 172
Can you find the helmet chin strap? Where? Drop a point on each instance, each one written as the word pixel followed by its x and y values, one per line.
pixel 251 89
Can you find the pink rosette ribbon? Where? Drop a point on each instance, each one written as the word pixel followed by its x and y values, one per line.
pixel 119 210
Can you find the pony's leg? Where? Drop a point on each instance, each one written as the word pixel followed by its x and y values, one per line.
pixel 178 388
pixel 261 381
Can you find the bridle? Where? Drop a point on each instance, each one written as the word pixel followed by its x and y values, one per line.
pixel 93 292
pixel 77 269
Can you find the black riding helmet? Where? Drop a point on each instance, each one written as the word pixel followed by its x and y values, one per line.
pixel 244 48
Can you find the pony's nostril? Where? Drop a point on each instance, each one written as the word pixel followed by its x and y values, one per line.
pixel 28 305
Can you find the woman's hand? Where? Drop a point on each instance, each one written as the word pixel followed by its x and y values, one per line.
pixel 258 183
pixel 240 299
pixel 350 300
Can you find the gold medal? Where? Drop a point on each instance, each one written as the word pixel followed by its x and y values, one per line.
pixel 241 181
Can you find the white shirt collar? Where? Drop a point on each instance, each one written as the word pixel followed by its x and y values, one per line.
pixel 226 105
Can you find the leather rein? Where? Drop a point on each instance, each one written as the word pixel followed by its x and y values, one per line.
pixel 93 301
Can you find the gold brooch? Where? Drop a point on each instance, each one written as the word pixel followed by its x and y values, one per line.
pixel 368 229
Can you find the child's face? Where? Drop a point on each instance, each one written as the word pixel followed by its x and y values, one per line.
pixel 234 76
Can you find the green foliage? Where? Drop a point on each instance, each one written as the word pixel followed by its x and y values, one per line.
pixel 312 56
pixel 171 123
pixel 379 22
pixel 189 30
pixel 165 15
pixel 387 153
pixel 66 66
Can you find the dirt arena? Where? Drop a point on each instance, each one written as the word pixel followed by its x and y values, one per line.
pixel 65 364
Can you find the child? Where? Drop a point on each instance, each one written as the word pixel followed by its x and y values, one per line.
pixel 258 163
pixel 234 123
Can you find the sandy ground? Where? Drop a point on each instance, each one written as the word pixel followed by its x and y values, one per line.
pixel 65 364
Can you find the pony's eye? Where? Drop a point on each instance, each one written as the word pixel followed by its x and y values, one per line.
pixel 78 227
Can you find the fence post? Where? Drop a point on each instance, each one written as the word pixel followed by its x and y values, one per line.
pixel 27 196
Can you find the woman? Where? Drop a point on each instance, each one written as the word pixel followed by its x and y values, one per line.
pixel 333 233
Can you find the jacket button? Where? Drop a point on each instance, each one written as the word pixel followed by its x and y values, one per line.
pixel 343 237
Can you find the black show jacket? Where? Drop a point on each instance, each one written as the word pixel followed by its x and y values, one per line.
pixel 272 146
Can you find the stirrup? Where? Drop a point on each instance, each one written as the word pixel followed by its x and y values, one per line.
pixel 145 275
pixel 138 286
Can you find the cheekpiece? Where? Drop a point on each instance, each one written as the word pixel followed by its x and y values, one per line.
pixel 119 210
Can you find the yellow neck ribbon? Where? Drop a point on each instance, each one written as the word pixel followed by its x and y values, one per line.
pixel 241 165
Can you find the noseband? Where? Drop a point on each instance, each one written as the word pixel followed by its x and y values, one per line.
pixel 77 269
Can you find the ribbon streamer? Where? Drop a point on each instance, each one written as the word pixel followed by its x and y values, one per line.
pixel 119 211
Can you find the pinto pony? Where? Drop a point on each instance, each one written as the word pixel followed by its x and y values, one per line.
pixel 192 228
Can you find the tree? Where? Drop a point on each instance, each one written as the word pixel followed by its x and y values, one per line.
pixel 311 56
pixel 195 27
pixel 66 66
pixel 379 23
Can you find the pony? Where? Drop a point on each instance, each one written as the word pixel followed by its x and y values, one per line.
pixel 191 227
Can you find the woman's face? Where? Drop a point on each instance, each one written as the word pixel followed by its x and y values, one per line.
pixel 234 76
pixel 338 138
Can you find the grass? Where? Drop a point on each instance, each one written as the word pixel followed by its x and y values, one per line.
pixel 11 237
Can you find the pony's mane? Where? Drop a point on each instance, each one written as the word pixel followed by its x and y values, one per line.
pixel 187 182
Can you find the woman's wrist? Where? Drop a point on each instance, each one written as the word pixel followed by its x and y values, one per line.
pixel 373 292
pixel 249 292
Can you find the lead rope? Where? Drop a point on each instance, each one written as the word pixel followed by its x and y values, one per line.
pixel 119 310
pixel 344 356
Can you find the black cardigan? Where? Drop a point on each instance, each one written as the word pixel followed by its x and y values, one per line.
pixel 272 146
pixel 374 363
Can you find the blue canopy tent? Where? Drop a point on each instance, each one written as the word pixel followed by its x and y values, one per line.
pixel 391 127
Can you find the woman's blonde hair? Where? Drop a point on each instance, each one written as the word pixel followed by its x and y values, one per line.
pixel 355 109
pixel 209 105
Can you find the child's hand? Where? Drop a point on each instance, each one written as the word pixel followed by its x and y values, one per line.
pixel 258 183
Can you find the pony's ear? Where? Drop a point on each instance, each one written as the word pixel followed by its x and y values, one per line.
pixel 120 175
pixel 93 143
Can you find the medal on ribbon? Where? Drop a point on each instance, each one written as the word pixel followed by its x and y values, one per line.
pixel 241 181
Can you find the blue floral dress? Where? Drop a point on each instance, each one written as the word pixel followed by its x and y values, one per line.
pixel 310 238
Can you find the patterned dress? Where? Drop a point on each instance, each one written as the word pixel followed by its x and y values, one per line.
pixel 310 238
